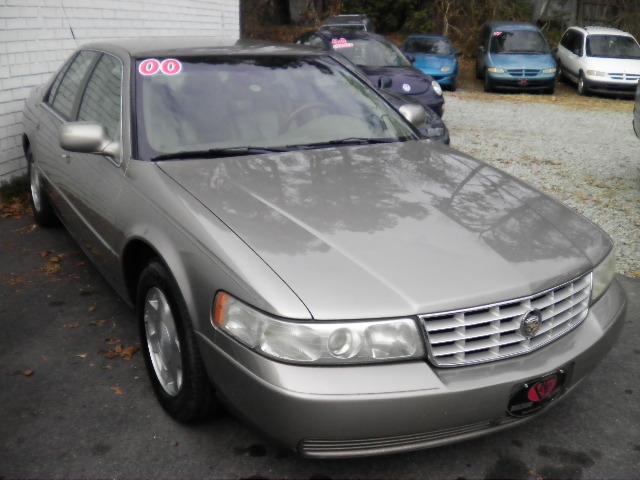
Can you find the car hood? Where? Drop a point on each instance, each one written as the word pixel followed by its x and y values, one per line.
pixel 514 60
pixel 405 81
pixel 433 63
pixel 393 229
pixel 614 65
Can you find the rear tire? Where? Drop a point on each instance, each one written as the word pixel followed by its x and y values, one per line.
pixel 169 347
pixel 43 212
pixel 454 86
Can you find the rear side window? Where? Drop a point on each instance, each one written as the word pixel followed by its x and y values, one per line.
pixel 102 97
pixel 67 92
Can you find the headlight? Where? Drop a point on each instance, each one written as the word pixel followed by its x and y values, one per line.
pixel 595 73
pixel 317 342
pixel 549 70
pixel 495 70
pixel 436 87
pixel 445 69
pixel 603 276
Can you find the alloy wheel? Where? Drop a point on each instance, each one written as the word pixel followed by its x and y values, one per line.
pixel 163 341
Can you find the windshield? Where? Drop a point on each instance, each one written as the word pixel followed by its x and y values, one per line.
pixel 202 103
pixel 612 46
pixel 370 52
pixel 431 46
pixel 518 41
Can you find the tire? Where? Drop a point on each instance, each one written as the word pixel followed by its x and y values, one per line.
pixel 551 90
pixel 488 86
pixel 454 86
pixel 478 71
pixel 43 212
pixel 582 85
pixel 184 392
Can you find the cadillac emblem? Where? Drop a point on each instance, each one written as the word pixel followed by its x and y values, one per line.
pixel 530 323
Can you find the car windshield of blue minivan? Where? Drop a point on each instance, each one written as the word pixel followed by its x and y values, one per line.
pixel 612 46
pixel 429 46
pixel 253 103
pixel 370 52
pixel 518 41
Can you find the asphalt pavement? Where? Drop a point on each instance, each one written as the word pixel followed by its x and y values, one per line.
pixel 75 401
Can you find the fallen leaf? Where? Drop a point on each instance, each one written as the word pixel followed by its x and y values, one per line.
pixel 82 355
pixel 117 391
pixel 72 325
pixel 635 274
pixel 98 323
pixel 28 372
pixel 125 353
pixel 45 253
pixel 93 308
pixel 112 341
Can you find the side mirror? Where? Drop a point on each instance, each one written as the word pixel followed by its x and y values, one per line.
pixel 88 137
pixel 384 82
pixel 414 113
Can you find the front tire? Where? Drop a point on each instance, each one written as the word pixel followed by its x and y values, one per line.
pixel 582 85
pixel 488 84
pixel 170 349
pixel 43 212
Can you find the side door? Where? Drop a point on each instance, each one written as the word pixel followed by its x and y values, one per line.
pixel 574 57
pixel 59 106
pixel 563 47
pixel 98 180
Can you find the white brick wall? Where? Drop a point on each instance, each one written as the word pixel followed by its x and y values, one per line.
pixel 35 38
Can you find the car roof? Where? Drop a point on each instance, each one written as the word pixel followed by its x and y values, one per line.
pixel 355 18
pixel 349 34
pixel 428 35
pixel 187 46
pixel 513 25
pixel 599 30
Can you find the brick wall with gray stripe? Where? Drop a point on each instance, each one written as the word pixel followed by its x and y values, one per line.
pixel 36 36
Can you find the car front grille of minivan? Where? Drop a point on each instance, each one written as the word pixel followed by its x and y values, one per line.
pixel 526 72
pixel 491 332
pixel 625 76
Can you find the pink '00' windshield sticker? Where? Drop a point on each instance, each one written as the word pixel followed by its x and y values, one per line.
pixel 149 67
pixel 171 66
pixel 153 66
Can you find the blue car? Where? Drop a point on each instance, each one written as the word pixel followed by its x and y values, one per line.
pixel 436 56
pixel 515 56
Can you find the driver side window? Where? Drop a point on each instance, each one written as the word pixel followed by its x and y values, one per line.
pixel 101 100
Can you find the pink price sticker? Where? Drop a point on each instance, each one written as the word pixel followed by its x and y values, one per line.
pixel 338 43
pixel 153 66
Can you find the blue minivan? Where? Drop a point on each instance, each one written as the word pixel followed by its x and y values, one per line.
pixel 515 56
pixel 436 56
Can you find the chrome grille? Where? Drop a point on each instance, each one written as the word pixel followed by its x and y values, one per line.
pixel 625 76
pixel 523 72
pixel 487 333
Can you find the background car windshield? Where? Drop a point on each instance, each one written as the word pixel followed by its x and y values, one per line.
pixel 612 46
pixel 370 52
pixel 518 41
pixel 261 101
pixel 431 46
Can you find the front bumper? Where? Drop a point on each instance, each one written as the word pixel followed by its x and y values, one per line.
pixel 607 85
pixel 509 82
pixel 367 410
pixel 445 80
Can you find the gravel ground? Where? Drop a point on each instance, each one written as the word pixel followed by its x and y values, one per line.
pixel 587 158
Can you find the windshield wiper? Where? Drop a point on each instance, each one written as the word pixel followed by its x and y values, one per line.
pixel 218 153
pixel 346 141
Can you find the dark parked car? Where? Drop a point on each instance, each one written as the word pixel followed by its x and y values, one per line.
pixel 382 62
pixel 515 56
pixel 356 22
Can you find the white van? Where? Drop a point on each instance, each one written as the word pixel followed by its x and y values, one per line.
pixel 600 59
